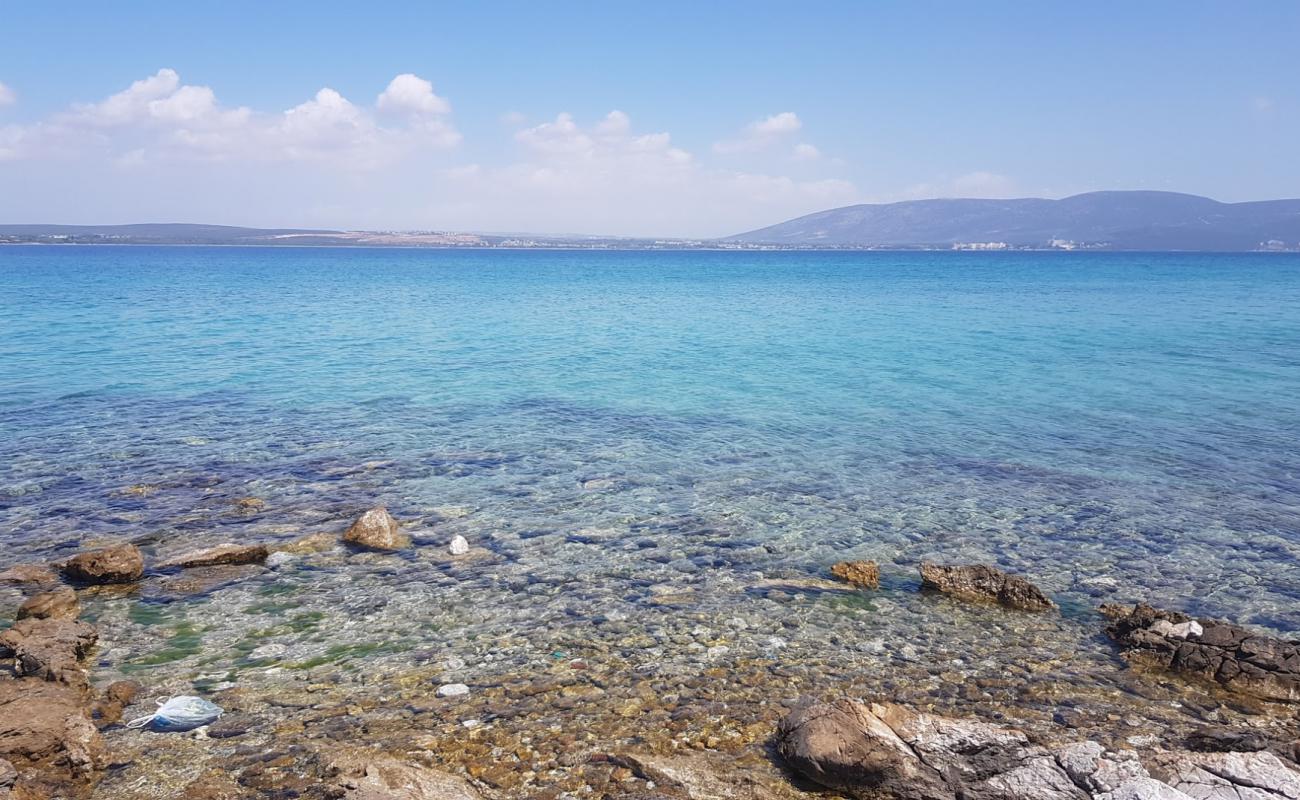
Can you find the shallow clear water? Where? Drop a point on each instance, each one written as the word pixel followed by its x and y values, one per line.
pixel 637 441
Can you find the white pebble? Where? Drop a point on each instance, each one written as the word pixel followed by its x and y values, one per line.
pixel 453 690
pixel 459 546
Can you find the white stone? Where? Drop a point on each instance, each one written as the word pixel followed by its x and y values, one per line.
pixel 1184 629
pixel 279 559
pixel 459 546
pixel 453 690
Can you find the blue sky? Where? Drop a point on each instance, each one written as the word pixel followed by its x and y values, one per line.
pixel 728 115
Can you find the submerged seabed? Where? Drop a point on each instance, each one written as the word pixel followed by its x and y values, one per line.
pixel 656 457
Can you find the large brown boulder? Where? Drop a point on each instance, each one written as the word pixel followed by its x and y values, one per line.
pixel 121 563
pixel 982 583
pixel 216 556
pixel 58 604
pixel 377 530
pixel 49 649
pixel 46 735
pixel 1230 655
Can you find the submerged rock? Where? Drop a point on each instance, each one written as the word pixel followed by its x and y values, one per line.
pixel 377 530
pixel 459 545
pixel 859 573
pixel 1233 656
pixel 982 583
pixel 219 555
pixel 36 575
pixel 121 563
pixel 50 649
pixel 376 777
pixel 116 697
pixel 452 690
pixel 58 604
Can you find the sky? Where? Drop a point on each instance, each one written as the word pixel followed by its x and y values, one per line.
pixel 674 119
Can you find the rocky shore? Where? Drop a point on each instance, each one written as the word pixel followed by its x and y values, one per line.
pixel 592 724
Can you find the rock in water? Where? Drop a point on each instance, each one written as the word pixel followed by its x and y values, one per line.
pixel 459 546
pixel 219 555
pixel 379 777
pixel 37 575
pixel 118 564
pixel 1233 656
pixel 982 583
pixel 859 573
pixel 377 530
pixel 453 690
pixel 50 649
pixel 59 604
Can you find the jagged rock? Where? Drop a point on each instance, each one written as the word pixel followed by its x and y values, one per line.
pixel 883 751
pixel 50 649
pixel 47 736
pixel 7 774
pixel 859 573
pixel 1226 776
pixel 982 583
pixel 36 575
pixel 217 556
pixel 376 529
pixel 1235 657
pixel 376 777
pixel 121 563
pixel 58 604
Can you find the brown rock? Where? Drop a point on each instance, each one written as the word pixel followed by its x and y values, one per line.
pixel 214 785
pixel 982 583
pixel 58 604
pixel 250 504
pixel 121 563
pixel 37 575
pixel 377 530
pixel 50 649
pixel 116 697
pixel 218 555
pixel 859 573
pixel 1230 655
pixel 704 777
pixel 46 735
pixel 368 776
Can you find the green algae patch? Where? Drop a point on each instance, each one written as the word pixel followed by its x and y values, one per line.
pixel 348 652
pixel 186 640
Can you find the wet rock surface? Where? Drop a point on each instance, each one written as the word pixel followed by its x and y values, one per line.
pixel 48 738
pixel 376 530
pixel 859 573
pixel 982 583
pixel 59 604
pixel 121 563
pixel 33 575
pixel 379 777
pixel 1235 657
pixel 219 555
pixel 882 750
pixel 49 649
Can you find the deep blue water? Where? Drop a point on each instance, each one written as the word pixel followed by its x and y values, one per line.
pixel 1115 425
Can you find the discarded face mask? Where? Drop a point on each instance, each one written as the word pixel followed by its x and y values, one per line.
pixel 183 713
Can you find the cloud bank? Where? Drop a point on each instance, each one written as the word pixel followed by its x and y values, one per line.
pixel 162 149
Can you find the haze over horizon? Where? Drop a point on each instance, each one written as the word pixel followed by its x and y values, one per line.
pixel 666 121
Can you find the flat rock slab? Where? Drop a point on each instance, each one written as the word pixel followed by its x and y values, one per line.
pixel 46 735
pixel 365 776
pixel 219 555
pixel 1235 657
pixel 58 604
pixel 982 583
pixel 49 649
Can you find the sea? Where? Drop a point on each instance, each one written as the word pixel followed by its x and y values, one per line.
pixel 656 456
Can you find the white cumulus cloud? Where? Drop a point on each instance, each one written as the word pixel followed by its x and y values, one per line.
pixel 7 95
pixel 411 94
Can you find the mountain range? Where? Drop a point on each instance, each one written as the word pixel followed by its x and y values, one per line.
pixel 1135 220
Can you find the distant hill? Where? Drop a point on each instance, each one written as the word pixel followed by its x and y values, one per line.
pixel 1101 220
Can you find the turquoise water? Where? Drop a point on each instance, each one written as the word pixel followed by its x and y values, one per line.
pixel 1076 417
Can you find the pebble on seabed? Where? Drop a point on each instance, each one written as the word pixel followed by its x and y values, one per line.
pixel 459 546
pixel 453 690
